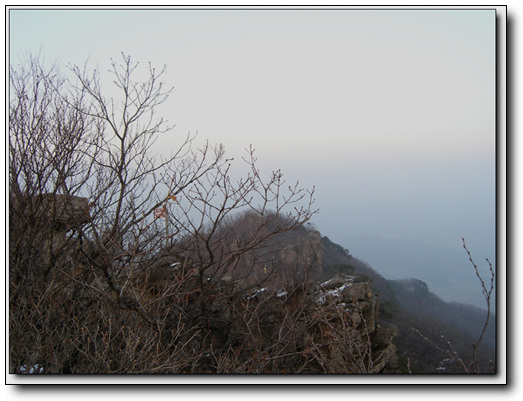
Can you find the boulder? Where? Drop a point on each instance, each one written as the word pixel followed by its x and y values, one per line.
pixel 337 282
pixel 356 292
pixel 64 211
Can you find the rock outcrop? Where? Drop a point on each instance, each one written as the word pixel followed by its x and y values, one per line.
pixel 301 256
pixel 339 328
pixel 62 212
pixel 47 219
pixel 359 305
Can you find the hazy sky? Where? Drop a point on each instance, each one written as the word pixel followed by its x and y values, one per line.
pixel 390 113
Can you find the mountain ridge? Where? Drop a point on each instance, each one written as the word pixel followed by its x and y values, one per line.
pixel 445 268
pixel 410 304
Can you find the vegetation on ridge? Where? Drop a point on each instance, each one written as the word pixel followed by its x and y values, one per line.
pixel 122 262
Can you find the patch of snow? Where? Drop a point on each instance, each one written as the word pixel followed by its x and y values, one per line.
pixel 326 282
pixel 336 292
pixel 442 365
pixel 32 370
pixel 256 293
pixel 346 278
pixel 281 293
pixel 322 299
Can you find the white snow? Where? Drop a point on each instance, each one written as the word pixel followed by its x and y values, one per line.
pixel 32 370
pixel 336 292
pixel 348 278
pixel 257 292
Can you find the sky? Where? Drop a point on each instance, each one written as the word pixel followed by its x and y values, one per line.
pixel 390 114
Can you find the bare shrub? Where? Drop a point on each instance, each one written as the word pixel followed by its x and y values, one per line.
pixel 470 364
pixel 120 261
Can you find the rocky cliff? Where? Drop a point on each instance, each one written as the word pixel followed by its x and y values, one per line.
pixel 409 304
pixel 266 313
pixel 329 327
pixel 359 305
pixel 336 327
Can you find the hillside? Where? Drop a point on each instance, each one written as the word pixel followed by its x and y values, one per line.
pixel 264 296
pixel 446 269
pixel 409 304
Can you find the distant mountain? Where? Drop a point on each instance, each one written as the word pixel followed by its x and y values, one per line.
pixel 414 297
pixel 409 304
pixel 446 270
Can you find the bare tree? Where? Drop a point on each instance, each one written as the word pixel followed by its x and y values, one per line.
pixel 112 250
pixel 446 347
pixel 47 171
pixel 487 294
